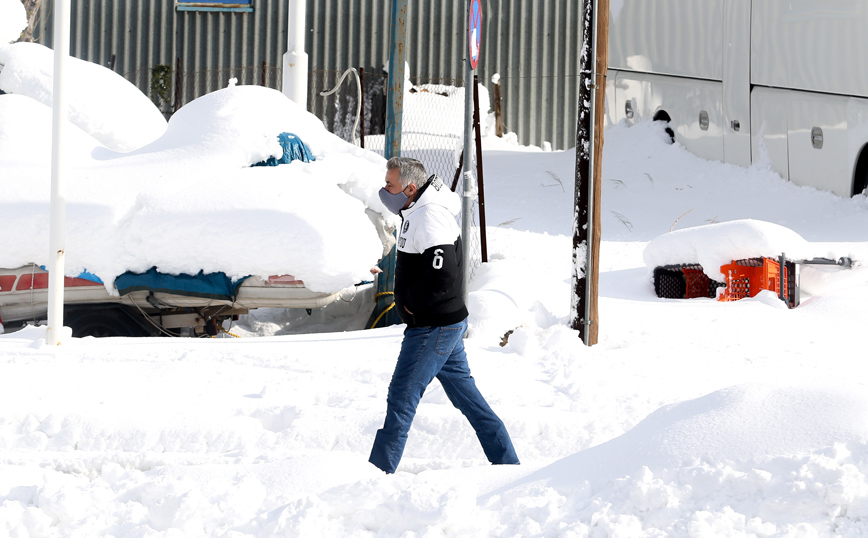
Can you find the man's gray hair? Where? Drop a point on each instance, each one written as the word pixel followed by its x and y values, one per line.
pixel 409 171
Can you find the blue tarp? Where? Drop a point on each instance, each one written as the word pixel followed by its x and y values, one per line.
pixel 86 275
pixel 210 285
pixel 293 150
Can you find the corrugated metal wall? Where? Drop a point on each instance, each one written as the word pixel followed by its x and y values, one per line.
pixel 211 47
pixel 538 58
pixel 534 45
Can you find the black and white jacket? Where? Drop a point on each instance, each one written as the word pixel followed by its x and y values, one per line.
pixel 429 274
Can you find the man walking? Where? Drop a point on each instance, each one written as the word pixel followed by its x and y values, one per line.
pixel 429 297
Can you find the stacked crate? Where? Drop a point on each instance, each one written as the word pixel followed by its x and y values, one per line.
pixel 748 277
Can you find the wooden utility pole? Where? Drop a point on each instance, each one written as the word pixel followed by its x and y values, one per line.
pixel 589 153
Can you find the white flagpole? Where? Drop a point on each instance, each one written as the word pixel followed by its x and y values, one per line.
pixel 295 59
pixel 57 232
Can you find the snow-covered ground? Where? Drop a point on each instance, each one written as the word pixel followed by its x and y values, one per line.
pixel 689 417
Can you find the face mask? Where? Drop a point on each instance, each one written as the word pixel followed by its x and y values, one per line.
pixel 393 202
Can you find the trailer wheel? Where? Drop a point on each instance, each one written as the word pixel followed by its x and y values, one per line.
pixel 101 323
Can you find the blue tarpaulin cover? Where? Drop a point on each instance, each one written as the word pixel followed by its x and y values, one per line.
pixel 293 150
pixel 87 275
pixel 208 285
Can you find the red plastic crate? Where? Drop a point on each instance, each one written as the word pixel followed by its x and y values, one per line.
pixel 684 282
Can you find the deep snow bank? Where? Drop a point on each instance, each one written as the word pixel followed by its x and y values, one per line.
pixel 116 113
pixel 731 463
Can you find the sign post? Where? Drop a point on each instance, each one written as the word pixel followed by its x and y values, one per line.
pixel 384 306
pixel 395 110
pixel 474 33
pixel 474 46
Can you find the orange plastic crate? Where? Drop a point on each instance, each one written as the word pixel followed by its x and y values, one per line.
pixel 746 278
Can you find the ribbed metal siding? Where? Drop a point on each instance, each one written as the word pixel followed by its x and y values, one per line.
pixel 217 46
pixel 538 61
pixel 139 34
pixel 212 46
pixel 533 44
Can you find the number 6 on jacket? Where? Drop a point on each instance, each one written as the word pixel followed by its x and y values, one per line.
pixel 438 259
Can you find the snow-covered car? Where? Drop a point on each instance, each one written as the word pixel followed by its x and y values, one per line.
pixel 241 182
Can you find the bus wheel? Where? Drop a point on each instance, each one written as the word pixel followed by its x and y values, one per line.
pixel 860 176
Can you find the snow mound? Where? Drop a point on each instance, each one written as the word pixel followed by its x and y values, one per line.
pixel 101 102
pixel 238 125
pixel 751 423
pixel 24 124
pixel 733 463
pixel 715 245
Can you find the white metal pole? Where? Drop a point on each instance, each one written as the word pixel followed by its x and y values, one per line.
pixel 57 231
pixel 468 192
pixel 295 59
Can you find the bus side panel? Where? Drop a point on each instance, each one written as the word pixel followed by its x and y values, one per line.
pixel 736 86
pixel 769 129
pixel 812 139
pixel 671 37
pixel 822 163
pixel 810 45
pixel 682 99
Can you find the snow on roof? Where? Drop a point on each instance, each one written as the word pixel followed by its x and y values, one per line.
pixel 189 200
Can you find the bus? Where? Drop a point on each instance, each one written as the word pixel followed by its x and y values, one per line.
pixel 743 80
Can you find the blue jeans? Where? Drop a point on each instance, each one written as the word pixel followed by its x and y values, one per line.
pixel 427 352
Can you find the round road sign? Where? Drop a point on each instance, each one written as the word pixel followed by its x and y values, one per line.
pixel 474 32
